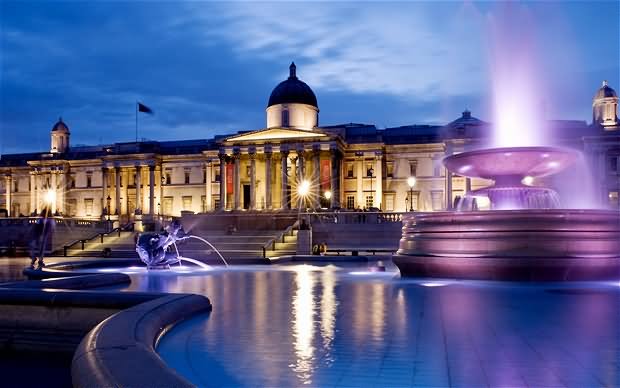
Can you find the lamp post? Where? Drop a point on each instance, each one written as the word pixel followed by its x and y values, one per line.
pixel 328 197
pixel 371 172
pixel 108 204
pixel 411 182
pixel 303 188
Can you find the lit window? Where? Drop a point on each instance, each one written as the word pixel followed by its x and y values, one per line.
pixel 350 202
pixel 389 203
pixel 390 169
pixel 187 202
pixel 88 207
pixel 350 170
pixel 369 201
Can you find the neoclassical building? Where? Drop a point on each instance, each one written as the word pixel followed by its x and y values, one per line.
pixel 352 166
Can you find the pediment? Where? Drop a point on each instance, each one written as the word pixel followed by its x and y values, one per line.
pixel 271 134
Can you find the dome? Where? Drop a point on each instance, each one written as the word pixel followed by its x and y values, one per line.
pixel 605 91
pixel 292 91
pixel 60 126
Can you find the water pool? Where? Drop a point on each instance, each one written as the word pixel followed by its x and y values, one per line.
pixel 310 325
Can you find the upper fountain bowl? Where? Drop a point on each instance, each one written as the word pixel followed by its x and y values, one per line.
pixel 517 162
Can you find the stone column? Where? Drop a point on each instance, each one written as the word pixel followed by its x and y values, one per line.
pixel 236 180
pixel 378 202
pixel 54 190
pixel 268 200
pixel 252 179
pixel 117 201
pixel 222 157
pixel 359 163
pixel 335 178
pixel 208 188
pixel 448 180
pixel 138 184
pixel 104 190
pixel 301 168
pixel 7 183
pixel 284 204
pixel 33 185
pixel 62 193
pixel 152 190
pixel 316 176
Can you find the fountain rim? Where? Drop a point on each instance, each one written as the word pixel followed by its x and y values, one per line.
pixel 512 150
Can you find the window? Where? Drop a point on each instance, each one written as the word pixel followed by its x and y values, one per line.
pixel 216 202
pixel 89 180
pixel 88 206
pixel 167 205
pixel 285 118
pixel 168 177
pixel 413 168
pixel 187 177
pixel 389 202
pixel 187 202
pixel 369 201
pixel 217 175
pixel 16 185
pixel 390 169
pixel 204 175
pixel 349 167
pixel 350 202
pixel 72 181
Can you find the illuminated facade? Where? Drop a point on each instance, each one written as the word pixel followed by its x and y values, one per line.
pixel 352 166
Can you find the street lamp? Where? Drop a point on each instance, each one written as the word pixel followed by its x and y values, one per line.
pixel 328 196
pixel 108 204
pixel 303 188
pixel 411 182
pixel 371 172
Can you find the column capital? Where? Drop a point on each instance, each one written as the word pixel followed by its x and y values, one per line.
pixel 222 158
pixel 267 149
pixel 316 148
pixel 152 167
pixel 284 152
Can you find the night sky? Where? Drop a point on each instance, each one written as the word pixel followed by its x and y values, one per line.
pixel 208 68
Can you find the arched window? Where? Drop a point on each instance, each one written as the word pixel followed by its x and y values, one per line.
pixel 285 118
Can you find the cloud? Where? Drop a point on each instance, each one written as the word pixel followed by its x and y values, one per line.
pixel 411 50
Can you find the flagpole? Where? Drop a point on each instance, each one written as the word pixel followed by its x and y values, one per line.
pixel 136 122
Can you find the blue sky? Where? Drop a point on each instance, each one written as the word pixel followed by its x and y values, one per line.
pixel 208 68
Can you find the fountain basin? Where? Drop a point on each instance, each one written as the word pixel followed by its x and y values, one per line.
pixel 512 244
pixel 508 166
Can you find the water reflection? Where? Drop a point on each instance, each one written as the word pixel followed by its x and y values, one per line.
pixel 319 326
pixel 303 322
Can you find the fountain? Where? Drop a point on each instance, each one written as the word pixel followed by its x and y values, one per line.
pixel 152 248
pixel 524 234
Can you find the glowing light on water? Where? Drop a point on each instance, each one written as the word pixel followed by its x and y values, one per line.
pixel 434 284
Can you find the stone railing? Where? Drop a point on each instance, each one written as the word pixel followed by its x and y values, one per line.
pixel 354 217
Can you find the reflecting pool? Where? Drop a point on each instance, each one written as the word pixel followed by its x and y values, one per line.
pixel 304 325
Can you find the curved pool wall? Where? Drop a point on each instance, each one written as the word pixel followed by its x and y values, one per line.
pixel 512 244
pixel 303 325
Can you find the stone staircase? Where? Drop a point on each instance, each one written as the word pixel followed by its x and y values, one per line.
pixel 241 246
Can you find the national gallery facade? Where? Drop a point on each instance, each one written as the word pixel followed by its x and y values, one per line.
pixel 348 166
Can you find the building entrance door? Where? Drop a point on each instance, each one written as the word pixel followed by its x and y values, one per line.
pixel 246 196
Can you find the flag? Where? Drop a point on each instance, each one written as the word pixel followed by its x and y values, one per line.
pixel 144 108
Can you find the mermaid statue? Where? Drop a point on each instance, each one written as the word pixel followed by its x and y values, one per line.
pixel 153 247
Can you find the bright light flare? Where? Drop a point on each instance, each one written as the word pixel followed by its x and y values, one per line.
pixel 528 180
pixel 411 181
pixel 304 188
pixel 50 196
pixel 328 194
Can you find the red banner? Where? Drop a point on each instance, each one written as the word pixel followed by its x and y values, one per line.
pixel 229 178
pixel 325 175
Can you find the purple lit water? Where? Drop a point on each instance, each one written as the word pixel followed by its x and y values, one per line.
pixel 303 325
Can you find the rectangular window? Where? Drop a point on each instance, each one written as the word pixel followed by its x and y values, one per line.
pixel 16 186
pixel 350 202
pixel 88 207
pixel 89 180
pixel 389 202
pixel 72 182
pixel 217 174
pixel 369 201
pixel 168 177
pixel 187 202
pixel 216 202
pixel 186 177
pixel 413 168
pixel 349 167
pixel 390 169
pixel 204 175
pixel 167 205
